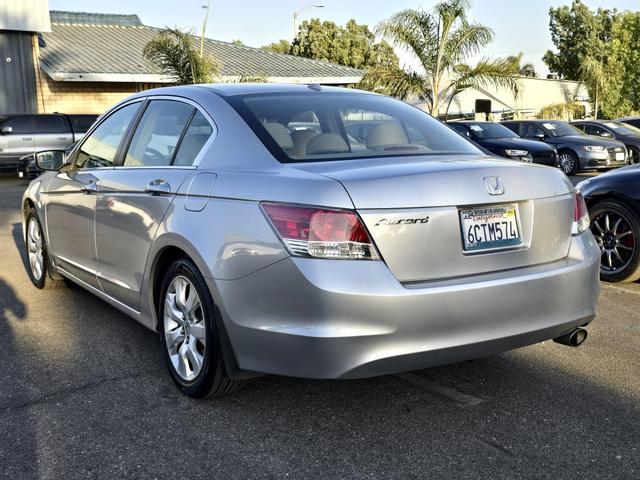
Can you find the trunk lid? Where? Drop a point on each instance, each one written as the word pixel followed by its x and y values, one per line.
pixel 411 207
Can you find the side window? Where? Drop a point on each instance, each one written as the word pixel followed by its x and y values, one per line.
pixel 530 130
pixel 514 127
pixel 19 124
pixel 197 134
pixel 100 148
pixel 460 129
pixel 51 124
pixel 158 133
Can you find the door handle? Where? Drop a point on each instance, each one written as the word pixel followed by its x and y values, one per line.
pixel 89 188
pixel 158 187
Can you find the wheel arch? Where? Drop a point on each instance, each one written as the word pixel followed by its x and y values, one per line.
pixel 616 196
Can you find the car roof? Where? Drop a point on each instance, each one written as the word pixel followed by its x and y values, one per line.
pixel 230 89
pixel 532 121
pixel 600 121
pixel 469 122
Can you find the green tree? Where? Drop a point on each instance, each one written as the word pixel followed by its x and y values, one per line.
pixel 281 46
pixel 353 45
pixel 577 32
pixel 172 51
pixel 441 42
pixel 526 70
pixel 238 42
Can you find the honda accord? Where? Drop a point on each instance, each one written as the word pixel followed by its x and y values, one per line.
pixel 253 247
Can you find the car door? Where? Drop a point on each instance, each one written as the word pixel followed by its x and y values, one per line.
pixel 135 196
pixel 71 196
pixel 17 139
pixel 52 132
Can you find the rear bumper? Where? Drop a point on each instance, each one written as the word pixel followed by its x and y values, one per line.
pixel 349 319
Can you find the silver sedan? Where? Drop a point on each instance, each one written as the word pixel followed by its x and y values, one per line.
pixel 309 231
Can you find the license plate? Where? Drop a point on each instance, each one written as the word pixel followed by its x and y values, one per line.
pixel 619 156
pixel 486 228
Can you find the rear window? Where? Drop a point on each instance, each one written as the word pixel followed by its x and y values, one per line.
pixel 335 126
pixel 81 123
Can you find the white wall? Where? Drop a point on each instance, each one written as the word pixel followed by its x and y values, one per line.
pixel 25 15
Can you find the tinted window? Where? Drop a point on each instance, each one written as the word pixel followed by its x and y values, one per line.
pixel 486 130
pixel 100 148
pixel 158 133
pixel 196 136
pixel 560 129
pixel 622 128
pixel 20 124
pixel 82 123
pixel 350 126
pixel 51 124
pixel 460 129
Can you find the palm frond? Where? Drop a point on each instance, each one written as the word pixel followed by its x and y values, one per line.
pixel 396 82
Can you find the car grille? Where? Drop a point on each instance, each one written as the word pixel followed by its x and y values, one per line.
pixel 613 150
pixel 547 158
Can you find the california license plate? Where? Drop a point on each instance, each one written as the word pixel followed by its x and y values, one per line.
pixel 486 228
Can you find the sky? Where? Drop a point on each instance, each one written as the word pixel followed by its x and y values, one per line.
pixel 519 25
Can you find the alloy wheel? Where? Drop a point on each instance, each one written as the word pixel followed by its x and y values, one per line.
pixel 616 240
pixel 184 328
pixel 567 162
pixel 35 249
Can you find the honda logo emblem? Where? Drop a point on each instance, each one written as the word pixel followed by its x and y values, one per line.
pixel 494 185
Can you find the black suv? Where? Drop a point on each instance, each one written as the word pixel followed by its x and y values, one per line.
pixel 576 150
pixel 503 142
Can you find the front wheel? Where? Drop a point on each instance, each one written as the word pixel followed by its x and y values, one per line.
pixel 568 162
pixel 617 229
pixel 39 269
pixel 189 333
pixel 634 155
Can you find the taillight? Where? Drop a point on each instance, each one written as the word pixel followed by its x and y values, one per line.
pixel 321 232
pixel 580 215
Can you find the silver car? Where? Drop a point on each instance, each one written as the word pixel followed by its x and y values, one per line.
pixel 253 246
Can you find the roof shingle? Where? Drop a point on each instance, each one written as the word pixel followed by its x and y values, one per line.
pixel 81 45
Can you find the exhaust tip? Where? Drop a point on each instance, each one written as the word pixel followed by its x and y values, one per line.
pixel 573 338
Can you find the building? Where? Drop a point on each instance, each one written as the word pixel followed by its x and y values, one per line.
pixel 533 95
pixel 85 62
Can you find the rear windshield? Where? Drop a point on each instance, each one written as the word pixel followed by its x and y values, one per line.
pixel 341 126
pixel 81 123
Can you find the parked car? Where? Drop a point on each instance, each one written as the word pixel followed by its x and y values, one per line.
pixel 623 132
pixel 576 150
pixel 503 142
pixel 633 121
pixel 613 200
pixel 247 254
pixel 28 166
pixel 22 135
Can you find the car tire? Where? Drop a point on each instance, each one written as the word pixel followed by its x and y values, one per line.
pixel 634 155
pixel 39 268
pixel 617 231
pixel 189 333
pixel 568 162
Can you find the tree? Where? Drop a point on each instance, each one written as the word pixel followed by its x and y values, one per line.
pixel 238 42
pixel 353 45
pixel 441 41
pixel 172 51
pixel 577 32
pixel 281 46
pixel 526 70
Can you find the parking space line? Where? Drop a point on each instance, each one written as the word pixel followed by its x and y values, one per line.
pixel 442 390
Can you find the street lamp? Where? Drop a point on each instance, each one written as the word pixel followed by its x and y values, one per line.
pixel 297 14
pixel 204 26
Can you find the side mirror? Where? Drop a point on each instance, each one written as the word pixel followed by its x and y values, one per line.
pixel 539 136
pixel 6 130
pixel 50 159
pixel 606 135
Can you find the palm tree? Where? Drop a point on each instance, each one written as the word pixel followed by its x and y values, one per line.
pixel 172 51
pixel 441 41
pixel 526 70
pixel 594 74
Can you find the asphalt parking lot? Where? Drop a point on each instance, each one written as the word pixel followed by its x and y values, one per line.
pixel 84 394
